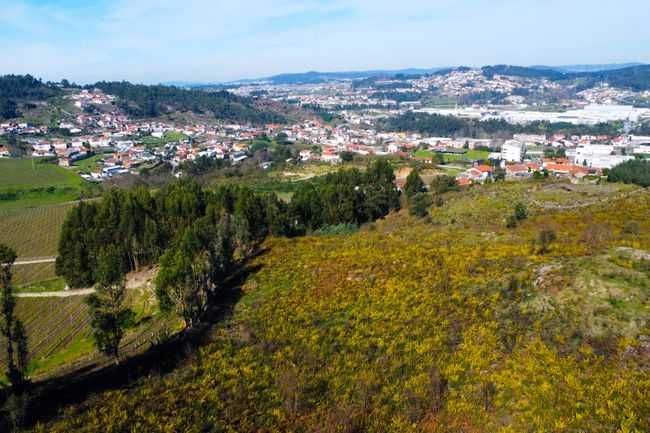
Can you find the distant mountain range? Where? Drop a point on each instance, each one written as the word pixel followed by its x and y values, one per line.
pixel 588 68
pixel 315 77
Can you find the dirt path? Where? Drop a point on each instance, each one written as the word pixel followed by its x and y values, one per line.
pixel 555 206
pixel 35 261
pixel 59 294
pixel 134 280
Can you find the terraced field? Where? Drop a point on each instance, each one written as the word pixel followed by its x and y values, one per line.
pixel 53 323
pixel 59 333
pixel 24 275
pixel 54 327
pixel 33 232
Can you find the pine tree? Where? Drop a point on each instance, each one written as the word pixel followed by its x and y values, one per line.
pixel 75 262
pixel 12 329
pixel 191 271
pixel 108 314
pixel 15 340
pixel 414 185
pixel 420 205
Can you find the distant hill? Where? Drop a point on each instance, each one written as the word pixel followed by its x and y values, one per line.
pixel 20 89
pixel 315 77
pixel 588 68
pixel 521 71
pixel 26 87
pixel 139 101
pixel 632 77
pixel 635 77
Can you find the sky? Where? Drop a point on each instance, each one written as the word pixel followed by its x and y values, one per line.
pixel 152 41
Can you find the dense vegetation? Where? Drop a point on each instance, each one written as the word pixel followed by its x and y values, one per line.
pixel 151 101
pixel 143 225
pixel 436 124
pixel 635 78
pixel 348 196
pixel 15 88
pixel 406 326
pixel 26 87
pixel 635 171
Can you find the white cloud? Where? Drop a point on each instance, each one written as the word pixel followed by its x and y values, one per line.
pixel 159 40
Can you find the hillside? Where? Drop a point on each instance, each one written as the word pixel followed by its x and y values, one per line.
pixel 635 77
pixel 316 77
pixel 446 324
pixel 152 101
pixel 18 91
pixel 23 96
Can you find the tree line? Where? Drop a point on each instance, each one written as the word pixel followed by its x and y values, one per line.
pixel 15 88
pixel 199 236
pixel 636 171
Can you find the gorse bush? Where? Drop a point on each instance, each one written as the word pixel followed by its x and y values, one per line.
pixel 413 327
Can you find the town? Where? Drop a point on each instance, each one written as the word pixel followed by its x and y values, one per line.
pixel 117 144
pixel 324 216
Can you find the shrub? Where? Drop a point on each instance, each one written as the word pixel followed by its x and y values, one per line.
pixel 545 238
pixel 442 184
pixel 520 213
pixel 420 205
pixel 631 228
pixel 337 229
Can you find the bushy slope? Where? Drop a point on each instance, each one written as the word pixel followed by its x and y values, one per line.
pixel 451 325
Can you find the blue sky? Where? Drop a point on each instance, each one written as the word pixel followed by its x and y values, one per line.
pixel 153 41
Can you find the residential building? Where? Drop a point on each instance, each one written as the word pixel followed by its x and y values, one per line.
pixel 512 151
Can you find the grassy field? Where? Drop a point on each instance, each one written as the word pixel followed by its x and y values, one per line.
pixel 33 233
pixel 89 164
pixel 440 102
pixel 31 183
pixel 50 114
pixel 42 283
pixel 468 156
pixel 53 324
pixel 168 137
pixel 26 173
